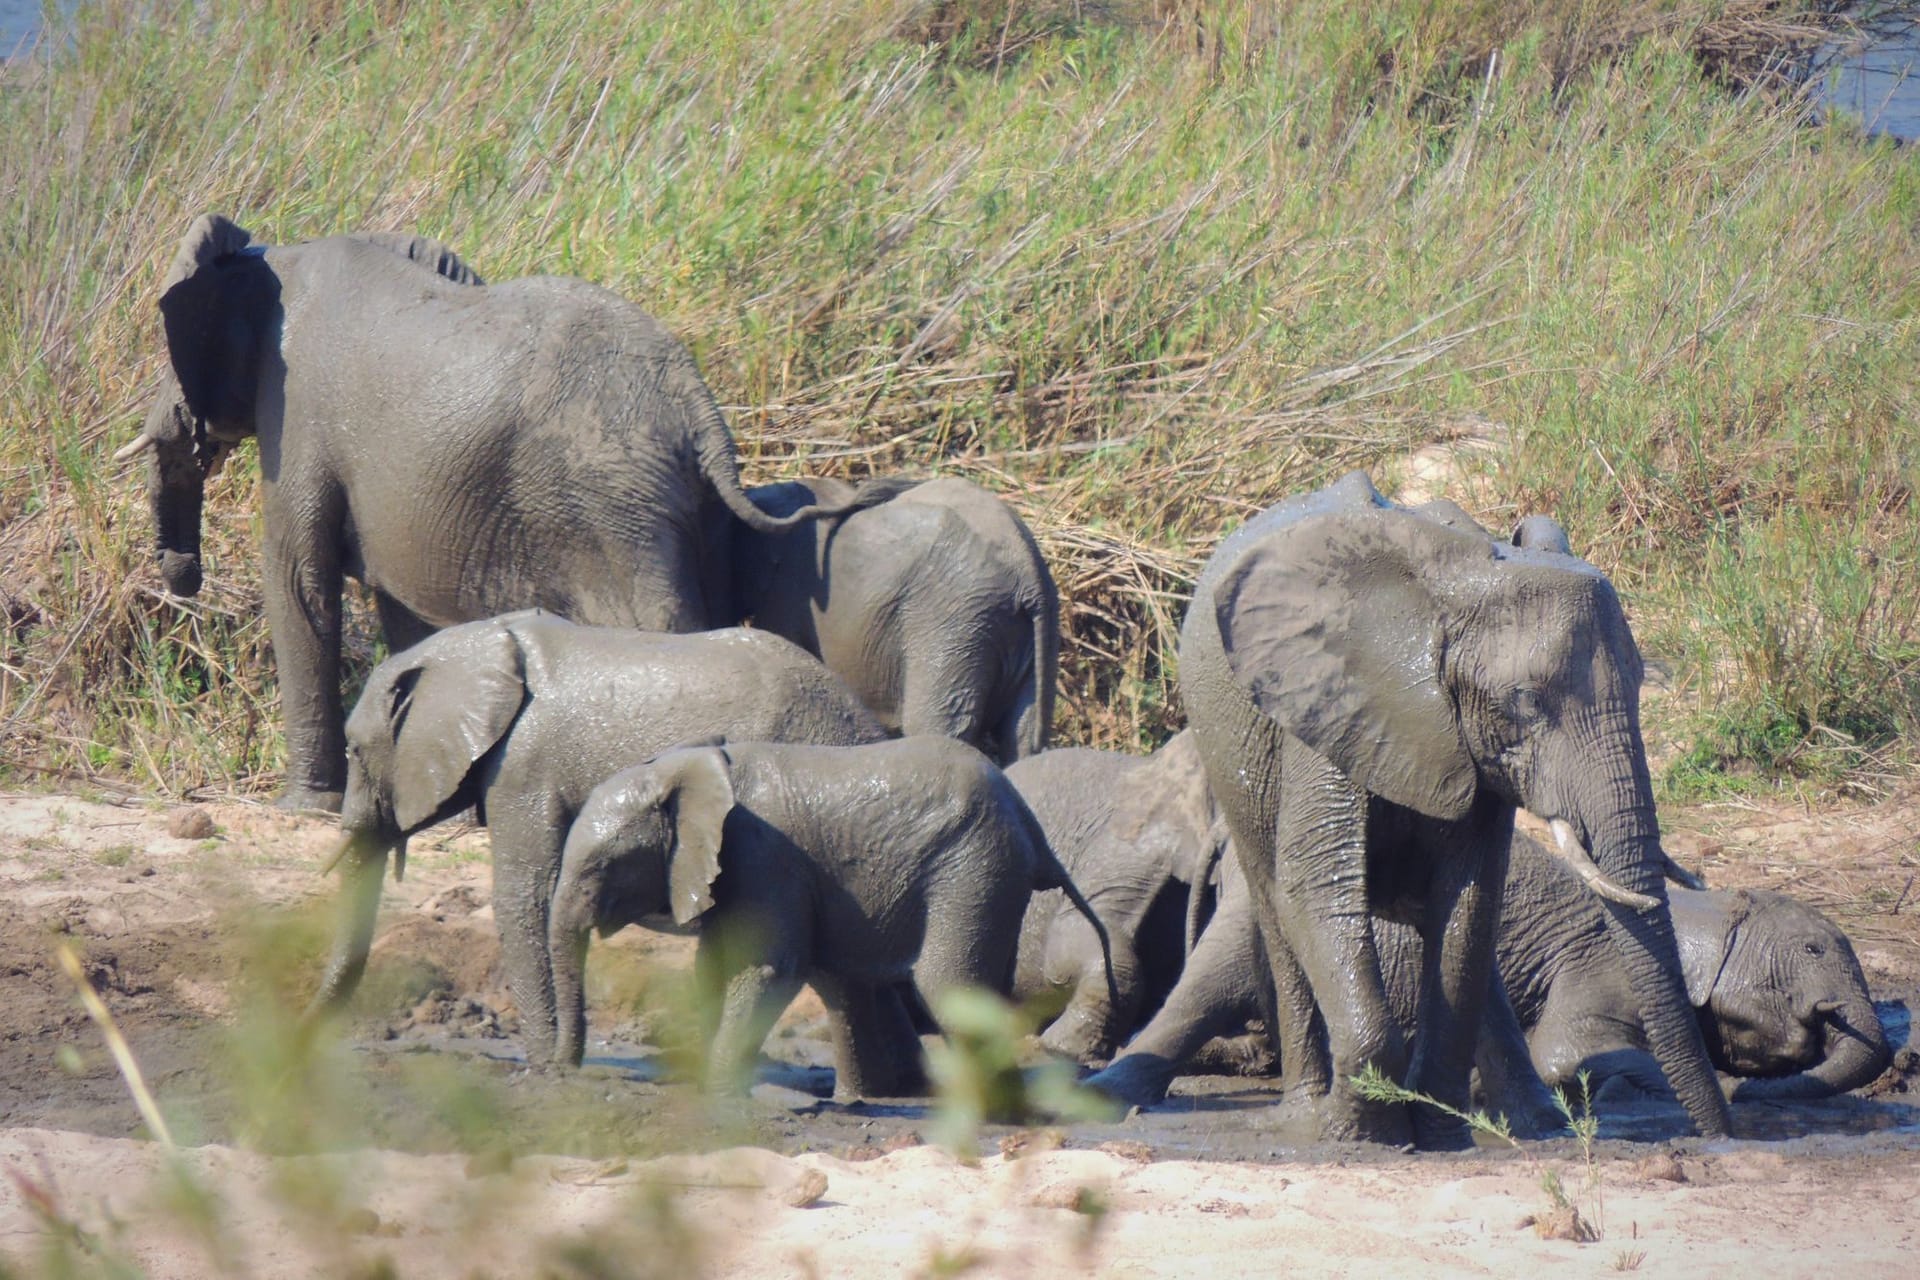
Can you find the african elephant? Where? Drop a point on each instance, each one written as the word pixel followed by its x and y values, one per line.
pixel 522 716
pixel 1136 830
pixel 1373 693
pixel 462 449
pixel 1144 840
pixel 1779 993
pixel 849 868
pixel 936 607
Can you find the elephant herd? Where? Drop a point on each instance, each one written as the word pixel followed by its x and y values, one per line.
pixel 1321 874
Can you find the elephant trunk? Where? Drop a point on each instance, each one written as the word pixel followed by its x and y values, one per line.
pixel 363 861
pixel 1627 849
pixel 176 482
pixel 1854 1053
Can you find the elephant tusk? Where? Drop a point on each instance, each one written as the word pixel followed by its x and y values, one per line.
pixel 1583 866
pixel 133 448
pixel 1826 1008
pixel 1681 876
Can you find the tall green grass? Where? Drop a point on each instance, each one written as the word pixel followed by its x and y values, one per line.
pixel 1144 268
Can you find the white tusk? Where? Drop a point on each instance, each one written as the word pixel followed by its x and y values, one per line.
pixel 1582 863
pixel 1681 876
pixel 133 448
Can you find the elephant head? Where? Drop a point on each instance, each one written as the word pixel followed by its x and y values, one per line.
pixel 1780 993
pixel 426 718
pixel 220 310
pixel 647 841
pixel 1431 665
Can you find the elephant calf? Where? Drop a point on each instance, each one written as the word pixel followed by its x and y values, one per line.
pixel 936 607
pixel 849 868
pixel 521 716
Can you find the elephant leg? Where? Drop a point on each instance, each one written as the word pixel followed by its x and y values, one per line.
pixel 1299 1032
pixel 300 580
pixel 1461 917
pixel 1091 1023
pixel 944 697
pixel 1321 903
pixel 1507 1076
pixel 756 995
pixel 902 1039
pixel 863 1057
pixel 527 836
pixel 1217 992
pixel 401 626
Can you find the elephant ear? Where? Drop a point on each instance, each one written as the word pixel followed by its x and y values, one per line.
pixel 699 797
pixel 1704 925
pixel 447 711
pixel 1542 533
pixel 1336 627
pixel 216 306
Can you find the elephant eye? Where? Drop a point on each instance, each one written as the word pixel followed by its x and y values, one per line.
pixel 1528 706
pixel 1815 949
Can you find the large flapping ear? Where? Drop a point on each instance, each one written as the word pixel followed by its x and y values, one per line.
pixel 1336 626
pixel 699 785
pixel 215 305
pixel 450 705
pixel 1704 925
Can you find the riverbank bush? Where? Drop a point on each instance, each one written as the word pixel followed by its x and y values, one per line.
pixel 1145 268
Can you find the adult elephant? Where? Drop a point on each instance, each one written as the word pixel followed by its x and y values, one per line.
pixel 463 449
pixel 1373 692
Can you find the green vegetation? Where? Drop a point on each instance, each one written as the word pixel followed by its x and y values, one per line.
pixel 1144 267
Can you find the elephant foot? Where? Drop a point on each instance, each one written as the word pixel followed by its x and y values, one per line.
pixel 309 800
pixel 1137 1080
pixel 1077 1035
pixel 1350 1119
pixel 1435 1130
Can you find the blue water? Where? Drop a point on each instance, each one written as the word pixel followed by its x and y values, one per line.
pixel 20 23
pixel 1876 78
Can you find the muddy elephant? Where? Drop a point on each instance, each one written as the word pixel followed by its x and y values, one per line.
pixel 520 717
pixel 1775 985
pixel 462 449
pixel 1778 991
pixel 1144 840
pixel 1373 692
pixel 848 868
pixel 1139 831
pixel 936 607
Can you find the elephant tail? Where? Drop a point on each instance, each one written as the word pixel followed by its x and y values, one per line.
pixel 1050 874
pixel 363 860
pixel 1045 616
pixel 721 466
pixel 1202 876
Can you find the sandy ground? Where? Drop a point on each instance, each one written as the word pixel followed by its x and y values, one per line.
pixel 445 1156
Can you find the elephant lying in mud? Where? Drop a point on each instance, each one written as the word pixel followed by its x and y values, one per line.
pixel 936 607
pixel 463 449
pixel 848 868
pixel 521 716
pixel 1374 692
pixel 1774 984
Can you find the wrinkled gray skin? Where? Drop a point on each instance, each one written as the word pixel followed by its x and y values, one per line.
pixel 1138 835
pixel 1134 832
pixel 936 607
pixel 848 868
pixel 1775 985
pixel 1373 693
pixel 522 716
pixel 1779 993
pixel 462 449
